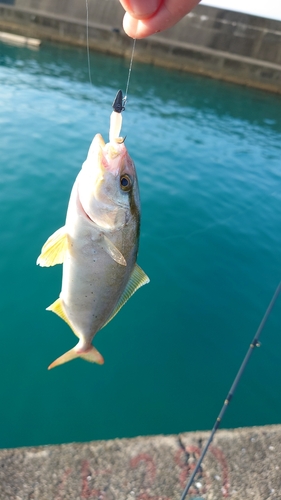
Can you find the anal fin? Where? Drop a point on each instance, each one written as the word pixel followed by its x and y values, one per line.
pixel 57 308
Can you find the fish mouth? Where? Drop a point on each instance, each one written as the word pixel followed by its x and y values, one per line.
pixel 110 157
pixel 107 157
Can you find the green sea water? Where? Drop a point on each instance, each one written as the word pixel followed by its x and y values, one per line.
pixel 208 156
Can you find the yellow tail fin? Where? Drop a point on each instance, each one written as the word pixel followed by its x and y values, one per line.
pixel 91 355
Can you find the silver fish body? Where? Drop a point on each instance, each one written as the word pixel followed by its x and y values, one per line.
pixel 98 246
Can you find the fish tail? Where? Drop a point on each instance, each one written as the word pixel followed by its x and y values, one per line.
pixel 91 354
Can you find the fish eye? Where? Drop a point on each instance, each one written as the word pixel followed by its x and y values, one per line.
pixel 125 182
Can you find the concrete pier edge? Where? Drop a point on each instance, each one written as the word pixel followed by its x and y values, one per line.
pixel 226 45
pixel 241 464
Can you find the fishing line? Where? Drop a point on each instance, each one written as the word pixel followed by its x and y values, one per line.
pixel 129 74
pixel 87 41
pixel 124 100
pixel 255 343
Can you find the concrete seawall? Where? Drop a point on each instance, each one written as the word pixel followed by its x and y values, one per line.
pixel 241 464
pixel 218 43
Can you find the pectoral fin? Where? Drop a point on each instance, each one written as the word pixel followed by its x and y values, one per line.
pixel 53 252
pixel 137 279
pixel 113 251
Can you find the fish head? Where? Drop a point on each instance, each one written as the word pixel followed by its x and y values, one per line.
pixel 108 187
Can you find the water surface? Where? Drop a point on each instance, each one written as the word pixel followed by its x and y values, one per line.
pixel 208 161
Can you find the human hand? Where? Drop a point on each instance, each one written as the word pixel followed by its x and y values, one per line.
pixel 146 17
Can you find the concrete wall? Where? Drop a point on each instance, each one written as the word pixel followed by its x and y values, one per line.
pixel 218 43
pixel 105 12
pixel 232 32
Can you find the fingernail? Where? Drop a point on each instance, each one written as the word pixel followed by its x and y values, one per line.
pixel 144 8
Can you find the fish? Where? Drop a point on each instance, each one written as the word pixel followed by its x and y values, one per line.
pixel 98 245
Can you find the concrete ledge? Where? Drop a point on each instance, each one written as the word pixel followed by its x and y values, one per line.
pixel 19 40
pixel 241 464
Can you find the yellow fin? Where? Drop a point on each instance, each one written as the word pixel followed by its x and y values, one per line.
pixel 137 279
pixel 53 252
pixel 113 251
pixel 57 308
pixel 91 355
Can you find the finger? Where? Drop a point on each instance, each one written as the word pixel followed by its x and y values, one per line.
pixel 169 13
pixel 141 9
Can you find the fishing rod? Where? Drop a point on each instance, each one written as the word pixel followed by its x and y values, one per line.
pixel 255 343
